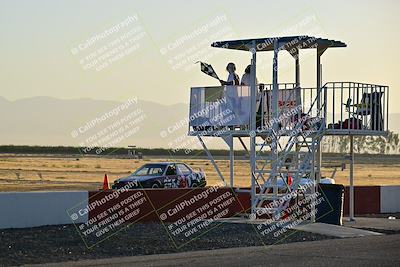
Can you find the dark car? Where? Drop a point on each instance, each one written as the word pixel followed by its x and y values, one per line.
pixel 162 175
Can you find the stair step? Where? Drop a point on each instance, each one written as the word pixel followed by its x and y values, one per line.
pixel 243 191
pixel 270 186
pixel 267 210
pixel 242 215
pixel 265 158
pixel 262 171
pixel 293 171
pixel 270 196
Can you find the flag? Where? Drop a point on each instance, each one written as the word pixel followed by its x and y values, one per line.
pixel 208 69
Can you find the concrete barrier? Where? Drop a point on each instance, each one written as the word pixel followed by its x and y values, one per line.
pixel 366 200
pixel 31 209
pixel 389 199
pixel 161 201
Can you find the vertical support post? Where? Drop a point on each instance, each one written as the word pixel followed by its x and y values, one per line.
pixel 275 82
pixel 318 78
pixel 298 97
pixel 252 134
pixel 275 115
pixel 351 189
pixel 318 160
pixel 231 161
pixel 297 70
pixel 319 151
pixel 211 158
pixel 387 107
pixel 314 187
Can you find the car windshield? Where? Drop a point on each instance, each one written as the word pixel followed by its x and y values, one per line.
pixel 150 170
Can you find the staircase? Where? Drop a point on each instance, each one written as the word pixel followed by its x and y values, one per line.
pixel 285 160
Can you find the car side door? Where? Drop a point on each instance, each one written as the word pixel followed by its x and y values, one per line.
pixel 171 176
pixel 185 172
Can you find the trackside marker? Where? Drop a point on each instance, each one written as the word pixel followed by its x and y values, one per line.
pixel 105 183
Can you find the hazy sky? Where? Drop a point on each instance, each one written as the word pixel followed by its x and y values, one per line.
pixel 53 47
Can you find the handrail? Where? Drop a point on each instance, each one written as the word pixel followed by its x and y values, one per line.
pixel 363 107
pixel 357 83
pixel 347 107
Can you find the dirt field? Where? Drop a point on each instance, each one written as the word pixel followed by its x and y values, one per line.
pixel 55 172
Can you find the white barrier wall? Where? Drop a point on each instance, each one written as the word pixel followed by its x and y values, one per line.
pixel 30 209
pixel 390 199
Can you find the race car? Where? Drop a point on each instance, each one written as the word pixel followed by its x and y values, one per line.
pixel 162 175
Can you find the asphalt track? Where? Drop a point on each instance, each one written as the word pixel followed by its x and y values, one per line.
pixel 362 251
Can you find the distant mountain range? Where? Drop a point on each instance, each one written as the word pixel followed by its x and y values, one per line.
pixel 50 121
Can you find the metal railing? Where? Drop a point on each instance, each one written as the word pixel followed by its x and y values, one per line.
pixel 346 107
pixel 356 107
pixel 219 107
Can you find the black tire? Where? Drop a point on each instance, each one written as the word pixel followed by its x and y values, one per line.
pixel 203 183
pixel 195 184
pixel 155 185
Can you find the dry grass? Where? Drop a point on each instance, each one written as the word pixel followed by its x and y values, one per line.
pixel 32 173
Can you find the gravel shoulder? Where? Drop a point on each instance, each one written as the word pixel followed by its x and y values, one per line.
pixel 63 243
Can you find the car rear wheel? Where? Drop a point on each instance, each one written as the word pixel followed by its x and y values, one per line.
pixel 155 185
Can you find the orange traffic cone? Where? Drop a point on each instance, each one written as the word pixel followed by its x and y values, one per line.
pixel 289 180
pixel 105 183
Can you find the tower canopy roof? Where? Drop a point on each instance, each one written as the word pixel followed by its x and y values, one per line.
pixel 287 42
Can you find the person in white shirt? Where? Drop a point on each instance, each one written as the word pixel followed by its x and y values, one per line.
pixel 246 80
pixel 233 78
pixel 246 77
